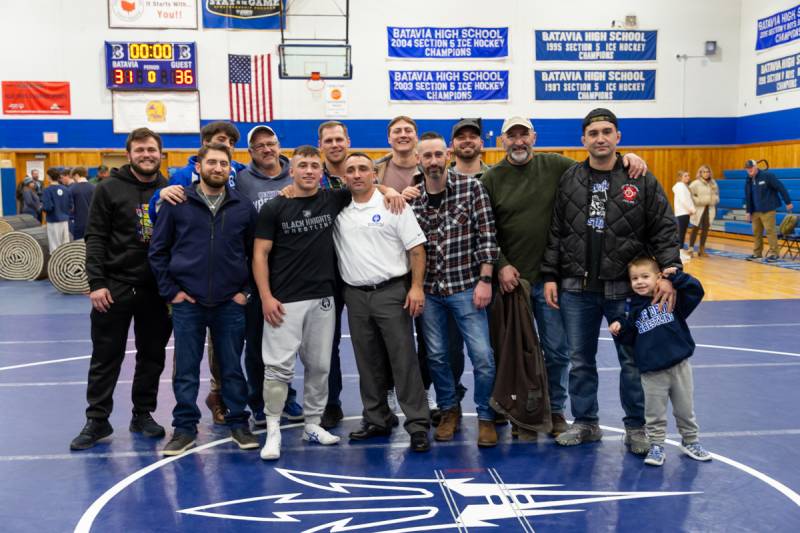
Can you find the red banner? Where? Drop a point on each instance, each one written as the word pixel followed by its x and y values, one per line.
pixel 36 98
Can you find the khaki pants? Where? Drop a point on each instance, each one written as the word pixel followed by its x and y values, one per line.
pixel 764 221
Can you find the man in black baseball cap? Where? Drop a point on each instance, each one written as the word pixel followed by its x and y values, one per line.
pixel 467 146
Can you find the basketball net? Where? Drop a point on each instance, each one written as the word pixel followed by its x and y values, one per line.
pixel 316 85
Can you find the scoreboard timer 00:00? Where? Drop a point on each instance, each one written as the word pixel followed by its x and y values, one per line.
pixel 153 66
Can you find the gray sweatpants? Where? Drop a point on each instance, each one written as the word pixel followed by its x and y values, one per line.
pixel 676 384
pixel 307 330
pixel 57 234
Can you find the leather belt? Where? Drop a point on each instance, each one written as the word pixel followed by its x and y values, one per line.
pixel 376 286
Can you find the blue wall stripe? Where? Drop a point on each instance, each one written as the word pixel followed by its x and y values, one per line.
pixel 711 131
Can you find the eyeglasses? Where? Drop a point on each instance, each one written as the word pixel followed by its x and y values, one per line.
pixel 261 146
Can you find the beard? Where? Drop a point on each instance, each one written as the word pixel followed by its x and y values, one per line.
pixel 214 181
pixel 467 154
pixel 138 169
pixel 435 172
pixel 519 156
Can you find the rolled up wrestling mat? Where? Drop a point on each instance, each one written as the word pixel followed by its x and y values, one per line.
pixel 17 222
pixel 24 254
pixel 67 268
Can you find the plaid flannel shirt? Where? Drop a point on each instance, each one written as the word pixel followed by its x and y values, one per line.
pixel 329 181
pixel 461 234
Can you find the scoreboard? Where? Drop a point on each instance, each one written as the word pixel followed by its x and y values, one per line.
pixel 151 66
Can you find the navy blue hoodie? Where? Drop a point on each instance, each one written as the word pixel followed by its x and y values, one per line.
pixel 661 339
pixel 207 256
pixel 763 193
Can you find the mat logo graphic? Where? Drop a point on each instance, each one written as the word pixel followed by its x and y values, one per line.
pixel 328 502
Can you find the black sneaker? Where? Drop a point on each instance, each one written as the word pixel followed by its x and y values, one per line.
pixel 753 257
pixel 331 417
pixel 143 423
pixel 95 430
pixel 771 259
pixel 244 438
pixel 178 444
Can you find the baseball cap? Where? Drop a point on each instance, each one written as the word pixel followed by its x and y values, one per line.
pixel 750 163
pixel 260 127
pixel 600 114
pixel 466 123
pixel 516 121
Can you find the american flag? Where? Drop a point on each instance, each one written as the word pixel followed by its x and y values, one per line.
pixel 250 87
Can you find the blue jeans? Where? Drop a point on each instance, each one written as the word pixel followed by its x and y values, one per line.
pixel 583 314
pixel 227 323
pixel 550 326
pixel 473 325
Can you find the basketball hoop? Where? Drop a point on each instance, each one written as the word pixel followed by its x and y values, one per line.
pixel 315 83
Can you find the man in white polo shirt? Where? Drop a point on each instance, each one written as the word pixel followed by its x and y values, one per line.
pixel 375 248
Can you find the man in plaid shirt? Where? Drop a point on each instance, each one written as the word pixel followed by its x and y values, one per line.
pixel 455 213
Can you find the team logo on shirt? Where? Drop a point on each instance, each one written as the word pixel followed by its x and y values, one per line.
pixel 325 304
pixel 376 220
pixel 629 193
pixel 306 213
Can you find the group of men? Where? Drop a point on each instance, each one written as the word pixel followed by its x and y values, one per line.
pixel 65 202
pixel 266 256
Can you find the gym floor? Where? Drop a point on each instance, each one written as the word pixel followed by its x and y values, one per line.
pixel 746 367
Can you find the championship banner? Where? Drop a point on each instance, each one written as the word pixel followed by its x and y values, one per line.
pixel 448 85
pixel 779 28
pixel 596 45
pixel 36 98
pixel 777 75
pixel 243 14
pixel 447 43
pixel 162 112
pixel 160 14
pixel 595 84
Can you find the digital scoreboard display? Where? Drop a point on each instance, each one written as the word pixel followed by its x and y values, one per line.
pixel 144 66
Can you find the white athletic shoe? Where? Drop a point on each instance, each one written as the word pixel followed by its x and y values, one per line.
pixel 315 433
pixel 431 400
pixel 391 399
pixel 272 447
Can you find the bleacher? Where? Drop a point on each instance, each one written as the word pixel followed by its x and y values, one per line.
pixel 731 215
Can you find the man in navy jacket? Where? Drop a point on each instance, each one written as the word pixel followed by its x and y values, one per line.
pixel 214 132
pixel 761 193
pixel 200 254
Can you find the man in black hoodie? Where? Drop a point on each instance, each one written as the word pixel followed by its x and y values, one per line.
pixel 123 288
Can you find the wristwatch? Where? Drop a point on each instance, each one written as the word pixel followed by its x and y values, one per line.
pixel 485 279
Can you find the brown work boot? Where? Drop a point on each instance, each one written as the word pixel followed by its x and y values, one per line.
pixel 214 403
pixel 487 434
pixel 527 435
pixel 559 424
pixel 447 426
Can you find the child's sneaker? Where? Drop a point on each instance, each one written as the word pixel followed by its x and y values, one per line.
pixel 315 433
pixel 656 456
pixel 696 451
